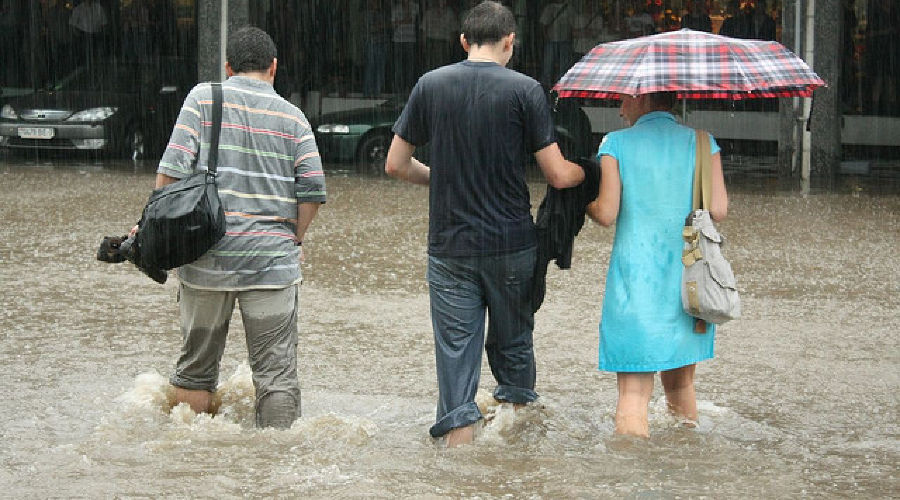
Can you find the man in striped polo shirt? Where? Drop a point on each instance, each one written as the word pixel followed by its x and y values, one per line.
pixel 271 184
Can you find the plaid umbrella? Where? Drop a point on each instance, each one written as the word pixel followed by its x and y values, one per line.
pixel 695 64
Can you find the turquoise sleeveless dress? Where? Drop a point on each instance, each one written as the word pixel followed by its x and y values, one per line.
pixel 643 327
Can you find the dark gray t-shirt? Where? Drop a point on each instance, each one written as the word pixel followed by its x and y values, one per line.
pixel 481 121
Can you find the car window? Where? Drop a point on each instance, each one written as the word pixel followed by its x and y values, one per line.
pixel 178 73
pixel 101 79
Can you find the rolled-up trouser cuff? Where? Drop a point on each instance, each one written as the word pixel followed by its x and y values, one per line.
pixel 517 395
pixel 460 416
pixel 184 383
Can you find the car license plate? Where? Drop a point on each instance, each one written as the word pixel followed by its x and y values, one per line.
pixel 35 133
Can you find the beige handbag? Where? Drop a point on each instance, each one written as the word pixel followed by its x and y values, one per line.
pixel 708 287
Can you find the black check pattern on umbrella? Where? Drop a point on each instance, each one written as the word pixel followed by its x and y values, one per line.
pixel 695 64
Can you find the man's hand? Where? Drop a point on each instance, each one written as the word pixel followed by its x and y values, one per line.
pixel 164 180
pixel 161 180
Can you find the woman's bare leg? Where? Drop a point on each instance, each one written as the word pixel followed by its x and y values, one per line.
pixel 679 387
pixel 635 390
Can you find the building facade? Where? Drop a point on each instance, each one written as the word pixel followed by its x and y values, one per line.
pixel 335 54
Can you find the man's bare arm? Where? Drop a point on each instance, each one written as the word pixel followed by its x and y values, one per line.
pixel 605 209
pixel 401 165
pixel 559 172
pixel 164 180
pixel 306 212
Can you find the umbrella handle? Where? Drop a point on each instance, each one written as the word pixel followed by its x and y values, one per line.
pixel 812 107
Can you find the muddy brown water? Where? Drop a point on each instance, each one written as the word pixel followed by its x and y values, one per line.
pixel 800 400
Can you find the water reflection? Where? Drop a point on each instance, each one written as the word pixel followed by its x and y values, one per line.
pixel 800 400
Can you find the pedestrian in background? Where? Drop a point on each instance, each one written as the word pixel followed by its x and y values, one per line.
pixel 441 27
pixel 697 17
pixel 405 23
pixel 587 29
pixel 89 22
pixel 556 19
pixel 377 22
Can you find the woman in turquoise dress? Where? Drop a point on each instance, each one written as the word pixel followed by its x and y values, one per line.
pixel 647 182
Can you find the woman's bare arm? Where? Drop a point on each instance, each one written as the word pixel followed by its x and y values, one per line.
pixel 605 208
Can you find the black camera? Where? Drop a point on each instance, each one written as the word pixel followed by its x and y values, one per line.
pixel 116 249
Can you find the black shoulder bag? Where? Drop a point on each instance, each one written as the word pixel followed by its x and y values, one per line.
pixel 185 219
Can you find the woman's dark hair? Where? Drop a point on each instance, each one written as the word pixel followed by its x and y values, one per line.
pixel 663 100
pixel 487 23
pixel 250 50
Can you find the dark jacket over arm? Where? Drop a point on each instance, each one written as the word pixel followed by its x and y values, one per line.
pixel 559 219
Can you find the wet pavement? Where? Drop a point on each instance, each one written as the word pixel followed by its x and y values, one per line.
pixel 800 400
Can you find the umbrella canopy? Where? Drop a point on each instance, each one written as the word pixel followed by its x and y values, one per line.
pixel 695 64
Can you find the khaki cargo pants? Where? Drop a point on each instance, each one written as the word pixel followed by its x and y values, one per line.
pixel 270 325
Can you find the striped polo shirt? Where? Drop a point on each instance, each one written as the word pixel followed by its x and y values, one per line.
pixel 268 163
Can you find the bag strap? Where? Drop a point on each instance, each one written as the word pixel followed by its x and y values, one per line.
pixel 216 127
pixel 702 190
pixel 702 171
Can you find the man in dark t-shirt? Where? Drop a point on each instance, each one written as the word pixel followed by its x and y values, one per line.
pixel 481 121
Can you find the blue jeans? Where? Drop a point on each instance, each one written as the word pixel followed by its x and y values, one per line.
pixel 462 289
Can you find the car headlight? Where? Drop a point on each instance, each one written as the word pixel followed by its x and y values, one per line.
pixel 329 128
pixel 92 115
pixel 8 112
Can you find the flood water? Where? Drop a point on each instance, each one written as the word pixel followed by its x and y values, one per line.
pixel 800 400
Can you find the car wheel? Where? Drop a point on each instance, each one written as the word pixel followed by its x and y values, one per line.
pixel 134 144
pixel 372 152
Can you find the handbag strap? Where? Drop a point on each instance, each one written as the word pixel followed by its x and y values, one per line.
pixel 216 127
pixel 702 171
pixel 702 190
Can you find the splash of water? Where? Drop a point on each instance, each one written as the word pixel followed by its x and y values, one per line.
pixel 151 395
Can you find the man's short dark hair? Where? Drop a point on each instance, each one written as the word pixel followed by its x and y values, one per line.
pixel 250 50
pixel 487 23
